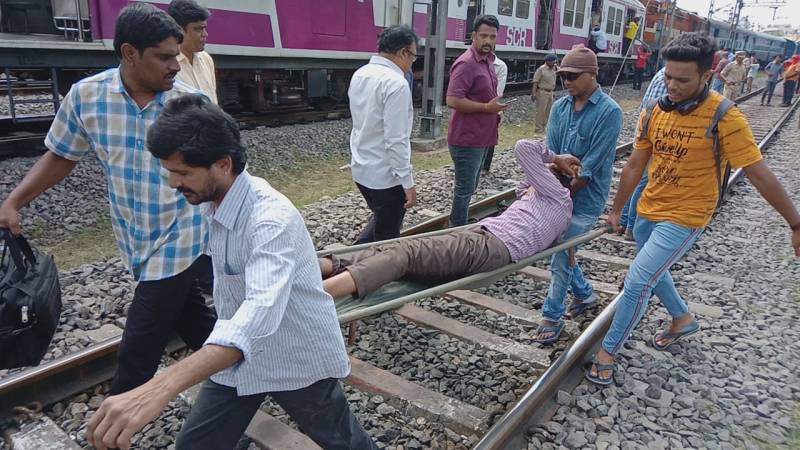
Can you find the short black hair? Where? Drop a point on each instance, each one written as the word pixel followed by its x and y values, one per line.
pixel 486 19
pixel 692 47
pixel 187 11
pixel 200 130
pixel 142 25
pixel 395 38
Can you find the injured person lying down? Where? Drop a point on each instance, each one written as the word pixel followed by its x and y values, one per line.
pixel 539 216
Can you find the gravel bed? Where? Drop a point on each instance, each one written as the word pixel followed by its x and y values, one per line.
pixel 519 290
pixel 27 109
pixel 611 248
pixel 495 323
pixel 735 385
pixel 483 378
pixel 71 415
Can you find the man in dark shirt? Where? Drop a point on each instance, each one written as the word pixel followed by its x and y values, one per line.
pixel 472 93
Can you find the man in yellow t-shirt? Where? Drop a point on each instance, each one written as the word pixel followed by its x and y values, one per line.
pixel 682 193
pixel 631 32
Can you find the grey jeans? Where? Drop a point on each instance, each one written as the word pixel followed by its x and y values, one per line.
pixel 220 416
pixel 426 259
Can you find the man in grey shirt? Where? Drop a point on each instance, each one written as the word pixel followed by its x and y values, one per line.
pixel 277 332
pixel 774 71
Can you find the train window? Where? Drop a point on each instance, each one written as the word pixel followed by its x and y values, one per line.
pixel 523 8
pixel 574 13
pixel 505 7
pixel 614 22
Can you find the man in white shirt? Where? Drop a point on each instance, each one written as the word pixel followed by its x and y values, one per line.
pixel 599 42
pixel 277 332
pixel 197 67
pixel 501 70
pixel 380 143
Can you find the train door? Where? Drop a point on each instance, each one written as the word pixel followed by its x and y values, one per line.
pixel 613 26
pixel 544 24
pixel 474 9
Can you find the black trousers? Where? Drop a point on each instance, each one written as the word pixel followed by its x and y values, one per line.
pixel 388 210
pixel 637 78
pixel 626 43
pixel 159 309
pixel 220 417
pixel 788 91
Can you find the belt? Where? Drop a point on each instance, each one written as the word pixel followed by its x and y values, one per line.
pixel 546 90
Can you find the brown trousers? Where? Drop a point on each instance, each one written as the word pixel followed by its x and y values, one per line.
pixel 544 102
pixel 427 259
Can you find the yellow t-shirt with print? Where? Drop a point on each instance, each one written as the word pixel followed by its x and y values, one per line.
pixel 683 188
pixel 633 28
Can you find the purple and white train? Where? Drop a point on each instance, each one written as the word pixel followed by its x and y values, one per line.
pixel 274 54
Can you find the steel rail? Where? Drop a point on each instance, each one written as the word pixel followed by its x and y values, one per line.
pixel 567 371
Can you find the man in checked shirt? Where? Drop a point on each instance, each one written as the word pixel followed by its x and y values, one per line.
pixel 277 333
pixel 160 235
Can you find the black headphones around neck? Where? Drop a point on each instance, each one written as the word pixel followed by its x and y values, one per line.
pixel 684 107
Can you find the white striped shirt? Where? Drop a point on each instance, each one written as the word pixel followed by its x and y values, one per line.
pixel 268 294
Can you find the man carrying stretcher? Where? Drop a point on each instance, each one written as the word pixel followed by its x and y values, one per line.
pixel 540 215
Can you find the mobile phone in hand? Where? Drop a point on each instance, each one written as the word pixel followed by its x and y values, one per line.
pixel 510 100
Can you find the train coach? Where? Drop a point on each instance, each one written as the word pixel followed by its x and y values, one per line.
pixel 663 23
pixel 274 55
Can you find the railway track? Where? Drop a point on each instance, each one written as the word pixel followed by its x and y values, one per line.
pixel 483 321
pixel 27 138
pixel 23 139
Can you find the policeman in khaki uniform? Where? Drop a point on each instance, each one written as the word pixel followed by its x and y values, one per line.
pixel 544 82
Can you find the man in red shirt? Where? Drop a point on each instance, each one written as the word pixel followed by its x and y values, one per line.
pixel 472 94
pixel 642 55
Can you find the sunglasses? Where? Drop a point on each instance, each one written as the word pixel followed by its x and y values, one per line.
pixel 570 76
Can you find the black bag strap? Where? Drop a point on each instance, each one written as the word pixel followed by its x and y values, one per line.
pixel 20 251
pixel 713 131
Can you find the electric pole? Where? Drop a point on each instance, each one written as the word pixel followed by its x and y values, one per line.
pixel 737 11
pixel 710 14
pixel 433 83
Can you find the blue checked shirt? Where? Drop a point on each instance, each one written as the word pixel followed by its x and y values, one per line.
pixel 268 294
pixel 158 232
pixel 656 90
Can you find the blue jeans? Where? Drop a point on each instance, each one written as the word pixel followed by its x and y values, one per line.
pixel 769 91
pixel 717 85
pixel 564 277
pixel 660 245
pixel 467 163
pixel 628 216
pixel 220 416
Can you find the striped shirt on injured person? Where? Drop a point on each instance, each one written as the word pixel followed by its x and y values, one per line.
pixel 540 215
